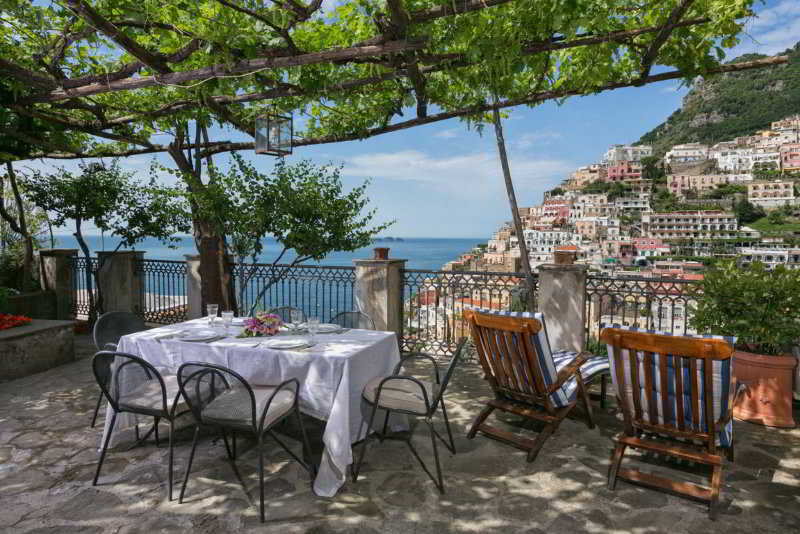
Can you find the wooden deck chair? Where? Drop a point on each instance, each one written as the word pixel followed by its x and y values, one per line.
pixel 676 394
pixel 528 378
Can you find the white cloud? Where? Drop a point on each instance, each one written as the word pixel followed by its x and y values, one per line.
pixel 467 174
pixel 449 133
pixel 532 139
pixel 670 89
pixel 772 30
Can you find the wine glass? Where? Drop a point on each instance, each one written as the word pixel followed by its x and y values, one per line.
pixel 211 311
pixel 227 319
pixel 295 317
pixel 313 327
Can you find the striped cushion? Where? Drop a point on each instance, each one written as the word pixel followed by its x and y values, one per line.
pixel 594 367
pixel 724 387
pixel 541 343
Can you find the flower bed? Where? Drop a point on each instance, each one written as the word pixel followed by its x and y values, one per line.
pixel 8 320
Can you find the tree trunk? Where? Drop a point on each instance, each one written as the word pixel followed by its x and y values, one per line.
pixel 216 277
pixel 19 225
pixel 512 201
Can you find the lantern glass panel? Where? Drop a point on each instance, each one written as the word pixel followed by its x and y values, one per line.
pixel 273 135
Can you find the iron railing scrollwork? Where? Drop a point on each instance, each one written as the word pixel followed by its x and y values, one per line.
pixel 433 303
pixel 663 304
pixel 163 286
pixel 84 286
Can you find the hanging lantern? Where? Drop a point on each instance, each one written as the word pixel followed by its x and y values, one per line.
pixel 274 134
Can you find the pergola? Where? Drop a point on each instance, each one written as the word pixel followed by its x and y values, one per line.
pixel 97 78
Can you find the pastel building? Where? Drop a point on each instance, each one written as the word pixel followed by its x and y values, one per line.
pixel 624 171
pixel 790 157
pixel 617 153
pixel 771 194
pixel 687 153
pixel 714 224
pixel 678 184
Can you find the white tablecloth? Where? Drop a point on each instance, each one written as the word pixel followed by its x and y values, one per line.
pixel 332 376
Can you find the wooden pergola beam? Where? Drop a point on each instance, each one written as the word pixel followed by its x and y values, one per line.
pixel 222 70
pixel 88 13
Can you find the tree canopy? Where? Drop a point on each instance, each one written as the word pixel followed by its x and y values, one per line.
pixel 114 73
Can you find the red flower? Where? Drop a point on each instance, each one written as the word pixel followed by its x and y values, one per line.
pixel 10 321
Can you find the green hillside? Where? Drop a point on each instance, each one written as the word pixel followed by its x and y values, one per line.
pixel 731 105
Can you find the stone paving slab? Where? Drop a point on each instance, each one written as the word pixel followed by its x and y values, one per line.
pixel 48 454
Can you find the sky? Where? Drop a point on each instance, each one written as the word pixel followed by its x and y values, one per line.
pixel 443 180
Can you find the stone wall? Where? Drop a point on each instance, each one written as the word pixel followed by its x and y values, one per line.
pixel 36 347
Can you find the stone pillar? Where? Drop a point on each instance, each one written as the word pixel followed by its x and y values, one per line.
pixel 562 300
pixel 56 274
pixel 377 292
pixel 194 296
pixel 121 283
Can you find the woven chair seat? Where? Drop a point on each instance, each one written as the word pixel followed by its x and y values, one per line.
pixel 233 407
pixel 147 395
pixel 400 394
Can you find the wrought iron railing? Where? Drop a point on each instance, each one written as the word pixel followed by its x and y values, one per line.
pixel 664 304
pixel 433 303
pixel 319 290
pixel 84 287
pixel 164 290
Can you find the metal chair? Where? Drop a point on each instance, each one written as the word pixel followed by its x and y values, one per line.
pixel 219 397
pixel 354 319
pixel 108 329
pixel 408 395
pixel 132 385
pixel 285 313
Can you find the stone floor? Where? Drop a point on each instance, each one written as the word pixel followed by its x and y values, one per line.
pixel 48 454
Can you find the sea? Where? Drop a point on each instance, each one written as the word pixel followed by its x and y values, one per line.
pixel 424 253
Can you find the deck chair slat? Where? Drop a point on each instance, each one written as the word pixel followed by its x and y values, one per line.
pixel 650 390
pixel 696 421
pixel 663 377
pixel 496 359
pixel 708 396
pixel 678 365
pixel 508 349
pixel 633 361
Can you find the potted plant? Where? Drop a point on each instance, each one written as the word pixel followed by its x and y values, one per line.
pixel 762 309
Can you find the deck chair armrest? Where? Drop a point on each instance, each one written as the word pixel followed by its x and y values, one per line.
pixel 571 369
pixel 417 355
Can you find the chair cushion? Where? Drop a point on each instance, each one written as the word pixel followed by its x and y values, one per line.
pixel 400 394
pixel 147 396
pixel 724 387
pixel 594 367
pixel 541 343
pixel 233 407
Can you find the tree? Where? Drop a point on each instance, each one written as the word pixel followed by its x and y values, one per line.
pixel 747 212
pixel 112 201
pixel 651 170
pixel 22 224
pixel 113 74
pixel 776 217
pixel 302 205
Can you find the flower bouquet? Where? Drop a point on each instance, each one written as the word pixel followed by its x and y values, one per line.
pixel 263 324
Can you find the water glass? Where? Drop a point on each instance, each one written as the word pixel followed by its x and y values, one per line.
pixel 211 311
pixel 295 317
pixel 313 327
pixel 227 319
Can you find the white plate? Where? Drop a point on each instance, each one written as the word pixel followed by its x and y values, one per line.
pixel 328 327
pixel 238 321
pixel 197 335
pixel 285 344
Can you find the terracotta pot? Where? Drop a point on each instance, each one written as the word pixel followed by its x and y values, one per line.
pixel 381 253
pixel 769 378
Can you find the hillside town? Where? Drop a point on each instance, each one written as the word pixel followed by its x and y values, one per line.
pixel 633 213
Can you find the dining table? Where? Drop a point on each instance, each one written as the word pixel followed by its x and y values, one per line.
pixel 332 372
